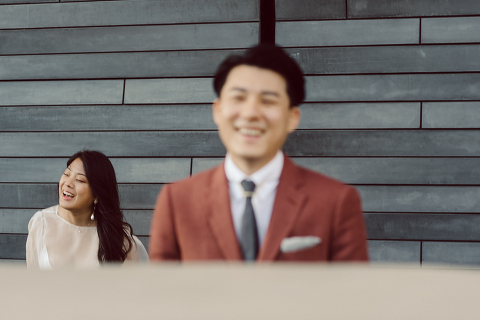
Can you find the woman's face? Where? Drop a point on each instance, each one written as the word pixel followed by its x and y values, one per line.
pixel 74 191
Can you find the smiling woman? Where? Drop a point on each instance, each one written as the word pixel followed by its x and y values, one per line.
pixel 87 227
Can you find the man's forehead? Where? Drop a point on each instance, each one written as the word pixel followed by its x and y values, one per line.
pixel 250 78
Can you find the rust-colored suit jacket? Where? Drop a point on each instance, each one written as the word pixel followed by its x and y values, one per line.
pixel 192 219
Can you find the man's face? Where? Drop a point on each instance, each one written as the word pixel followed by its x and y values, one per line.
pixel 253 115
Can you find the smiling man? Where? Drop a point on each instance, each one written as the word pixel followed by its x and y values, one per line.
pixel 258 205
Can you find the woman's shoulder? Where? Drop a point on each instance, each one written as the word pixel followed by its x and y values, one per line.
pixel 39 216
pixel 138 252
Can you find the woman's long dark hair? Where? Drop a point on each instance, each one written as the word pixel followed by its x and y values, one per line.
pixel 115 235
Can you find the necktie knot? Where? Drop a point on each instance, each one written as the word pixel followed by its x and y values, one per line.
pixel 248 186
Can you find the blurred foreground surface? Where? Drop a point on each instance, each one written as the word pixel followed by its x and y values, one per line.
pixel 236 291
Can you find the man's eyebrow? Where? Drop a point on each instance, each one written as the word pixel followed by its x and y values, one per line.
pixel 272 93
pixel 266 92
pixel 238 89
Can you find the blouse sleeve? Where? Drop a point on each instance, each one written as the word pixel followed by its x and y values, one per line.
pixel 34 240
pixel 138 252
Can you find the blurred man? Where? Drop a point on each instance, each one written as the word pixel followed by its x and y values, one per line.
pixel 258 205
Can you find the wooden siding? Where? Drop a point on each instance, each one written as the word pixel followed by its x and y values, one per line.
pixel 108 75
pixel 393 107
pixel 417 172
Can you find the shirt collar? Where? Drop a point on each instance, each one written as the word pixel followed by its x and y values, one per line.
pixel 268 173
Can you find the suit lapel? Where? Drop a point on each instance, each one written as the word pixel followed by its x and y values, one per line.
pixel 287 207
pixel 220 217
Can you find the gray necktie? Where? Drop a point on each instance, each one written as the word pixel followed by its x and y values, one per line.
pixel 249 237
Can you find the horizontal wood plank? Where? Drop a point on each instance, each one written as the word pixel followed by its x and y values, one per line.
pixel 201 164
pixel 199 117
pixel 325 60
pixel 38 196
pixel 417 226
pixel 15 220
pixel 107 118
pixel 131 38
pixel 398 87
pixel 309 9
pixel 360 115
pixel 390 143
pixel 61 92
pixel 301 143
pixel 112 13
pixel 408 8
pixel 424 171
pixel 151 170
pixel 388 59
pixel 451 115
pixel 394 251
pixel 448 199
pixel 112 65
pixel 27 1
pixel 17 262
pixel 451 30
pixel 140 221
pixel 22 2
pixel 112 144
pixel 196 90
pixel 347 32
pixel 13 16
pixel 452 253
pixel 129 170
pixel 12 246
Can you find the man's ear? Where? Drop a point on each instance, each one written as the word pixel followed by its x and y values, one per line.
pixel 294 119
pixel 215 110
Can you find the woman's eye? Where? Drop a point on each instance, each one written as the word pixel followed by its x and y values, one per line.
pixel 66 175
pixel 81 181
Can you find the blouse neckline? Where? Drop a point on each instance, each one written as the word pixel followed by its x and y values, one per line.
pixel 71 224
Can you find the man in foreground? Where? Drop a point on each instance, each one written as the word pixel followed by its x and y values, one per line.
pixel 258 205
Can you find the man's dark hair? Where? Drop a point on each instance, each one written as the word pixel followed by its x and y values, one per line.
pixel 266 56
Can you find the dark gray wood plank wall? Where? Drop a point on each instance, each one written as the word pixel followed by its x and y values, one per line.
pixel 94 74
pixel 133 79
pixel 417 177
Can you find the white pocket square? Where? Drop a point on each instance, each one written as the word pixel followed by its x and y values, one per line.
pixel 299 243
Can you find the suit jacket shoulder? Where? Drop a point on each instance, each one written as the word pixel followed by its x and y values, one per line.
pixel 307 204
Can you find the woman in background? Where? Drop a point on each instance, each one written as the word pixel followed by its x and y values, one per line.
pixel 87 227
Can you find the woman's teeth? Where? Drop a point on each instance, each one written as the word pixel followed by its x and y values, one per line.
pixel 67 194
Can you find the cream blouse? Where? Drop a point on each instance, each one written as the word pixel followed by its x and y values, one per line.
pixel 54 243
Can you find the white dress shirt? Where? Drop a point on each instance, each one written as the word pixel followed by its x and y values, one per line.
pixel 266 182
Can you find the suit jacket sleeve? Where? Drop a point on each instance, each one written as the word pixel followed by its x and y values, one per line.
pixel 163 243
pixel 349 236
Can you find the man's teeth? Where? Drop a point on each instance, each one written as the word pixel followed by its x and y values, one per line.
pixel 67 194
pixel 250 132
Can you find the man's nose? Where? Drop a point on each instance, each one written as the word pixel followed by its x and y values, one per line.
pixel 251 108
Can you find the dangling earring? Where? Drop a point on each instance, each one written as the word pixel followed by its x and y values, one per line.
pixel 92 217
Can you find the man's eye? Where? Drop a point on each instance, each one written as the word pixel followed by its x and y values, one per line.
pixel 269 102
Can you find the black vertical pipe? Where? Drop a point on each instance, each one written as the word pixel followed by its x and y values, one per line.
pixel 267 21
